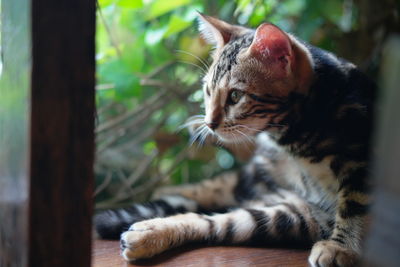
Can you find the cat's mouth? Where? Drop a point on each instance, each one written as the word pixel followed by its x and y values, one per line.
pixel 228 133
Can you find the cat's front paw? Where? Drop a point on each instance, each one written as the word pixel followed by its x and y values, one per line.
pixel 329 253
pixel 146 239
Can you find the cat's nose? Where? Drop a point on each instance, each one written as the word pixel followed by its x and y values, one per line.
pixel 212 125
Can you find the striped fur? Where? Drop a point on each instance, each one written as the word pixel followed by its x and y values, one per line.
pixel 307 183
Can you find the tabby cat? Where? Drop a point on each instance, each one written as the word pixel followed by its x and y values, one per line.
pixel 307 183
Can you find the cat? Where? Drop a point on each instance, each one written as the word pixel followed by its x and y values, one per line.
pixel 307 183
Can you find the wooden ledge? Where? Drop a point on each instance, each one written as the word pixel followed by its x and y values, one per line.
pixel 107 254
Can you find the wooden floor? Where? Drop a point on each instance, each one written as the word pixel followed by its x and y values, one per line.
pixel 107 254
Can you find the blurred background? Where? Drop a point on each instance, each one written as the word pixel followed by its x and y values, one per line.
pixel 150 60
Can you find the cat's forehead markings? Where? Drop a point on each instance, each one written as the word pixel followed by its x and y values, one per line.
pixel 238 83
pixel 228 57
pixel 224 81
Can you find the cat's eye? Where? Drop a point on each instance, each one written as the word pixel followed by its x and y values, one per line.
pixel 235 96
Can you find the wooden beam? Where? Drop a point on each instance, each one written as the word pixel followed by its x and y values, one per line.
pixel 62 132
pixel 382 246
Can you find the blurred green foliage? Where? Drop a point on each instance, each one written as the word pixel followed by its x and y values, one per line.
pixel 135 36
pixel 147 46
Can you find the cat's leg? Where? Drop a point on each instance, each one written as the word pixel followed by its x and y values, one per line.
pixel 209 195
pixel 344 246
pixel 292 221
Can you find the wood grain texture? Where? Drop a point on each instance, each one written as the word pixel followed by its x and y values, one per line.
pixel 62 132
pixel 107 254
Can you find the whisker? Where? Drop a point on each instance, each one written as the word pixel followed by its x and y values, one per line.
pixel 190 123
pixel 250 128
pixel 196 119
pixel 196 134
pixel 196 57
pixel 202 136
pixel 219 142
pixel 200 132
pixel 204 71
pixel 245 135
pixel 248 139
pixel 237 142
pixel 197 116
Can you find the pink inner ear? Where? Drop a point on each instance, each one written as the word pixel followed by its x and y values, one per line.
pixel 271 44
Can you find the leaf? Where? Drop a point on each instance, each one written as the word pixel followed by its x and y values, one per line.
pixel 154 36
pixel 176 118
pixel 117 72
pixel 307 29
pixel 192 48
pixel 191 12
pixel 176 24
pixel 333 11
pixel 106 94
pixel 242 5
pixel 258 16
pixel 149 147
pixel 134 55
pixel 104 3
pixel 130 3
pixel 102 40
pixel 160 7
pixel 160 53
pixel 293 7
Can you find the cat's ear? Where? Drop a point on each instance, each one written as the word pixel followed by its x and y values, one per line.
pixel 273 47
pixel 217 32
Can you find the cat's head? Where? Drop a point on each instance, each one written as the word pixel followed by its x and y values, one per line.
pixel 252 81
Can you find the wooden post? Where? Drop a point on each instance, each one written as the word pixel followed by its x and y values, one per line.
pixel 382 247
pixel 62 132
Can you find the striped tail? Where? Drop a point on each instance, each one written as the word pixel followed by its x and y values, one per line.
pixel 110 224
